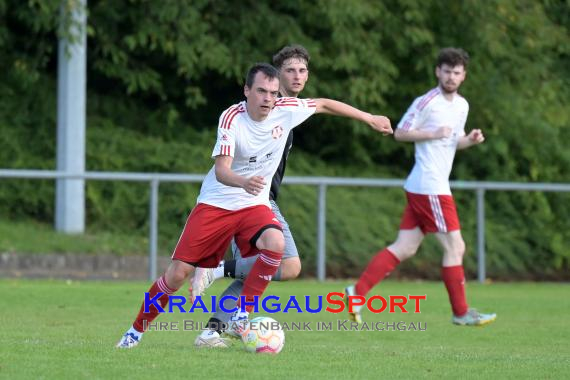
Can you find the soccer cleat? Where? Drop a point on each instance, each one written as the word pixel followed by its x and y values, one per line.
pixel 203 278
pixel 238 324
pixel 354 316
pixel 211 339
pixel 474 318
pixel 129 340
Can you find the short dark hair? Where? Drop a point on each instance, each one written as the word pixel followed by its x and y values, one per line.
pixel 453 57
pixel 270 71
pixel 291 51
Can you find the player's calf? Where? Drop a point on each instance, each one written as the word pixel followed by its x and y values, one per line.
pixel 290 268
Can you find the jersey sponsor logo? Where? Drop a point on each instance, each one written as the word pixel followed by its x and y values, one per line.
pixel 277 132
pixel 268 157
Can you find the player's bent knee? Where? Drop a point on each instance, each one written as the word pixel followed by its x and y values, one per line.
pixel 457 253
pixel 457 250
pixel 271 239
pixel 461 248
pixel 403 251
pixel 275 246
pixel 406 254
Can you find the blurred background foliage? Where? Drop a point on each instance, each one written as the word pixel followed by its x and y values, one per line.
pixel 160 74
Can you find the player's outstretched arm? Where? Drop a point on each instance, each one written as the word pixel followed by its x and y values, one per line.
pixel 473 138
pixel 415 135
pixel 333 107
pixel 224 174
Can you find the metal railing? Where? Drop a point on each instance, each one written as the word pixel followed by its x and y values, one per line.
pixel 154 180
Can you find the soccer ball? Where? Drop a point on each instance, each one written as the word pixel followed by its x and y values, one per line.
pixel 263 335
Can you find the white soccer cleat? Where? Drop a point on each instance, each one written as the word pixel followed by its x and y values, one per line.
pixel 211 339
pixel 238 324
pixel 203 279
pixel 474 318
pixel 129 340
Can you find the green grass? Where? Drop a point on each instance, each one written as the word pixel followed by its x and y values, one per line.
pixel 33 237
pixel 67 330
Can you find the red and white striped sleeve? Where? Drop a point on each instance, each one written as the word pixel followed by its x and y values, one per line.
pixel 225 143
pixel 291 102
pixel 415 114
pixel 299 109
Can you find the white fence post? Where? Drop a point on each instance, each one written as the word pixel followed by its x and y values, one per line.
pixel 481 274
pixel 153 230
pixel 321 233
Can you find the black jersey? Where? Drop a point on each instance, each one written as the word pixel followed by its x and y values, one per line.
pixel 280 173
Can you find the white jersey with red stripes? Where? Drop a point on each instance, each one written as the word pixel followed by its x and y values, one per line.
pixel 256 148
pixel 434 158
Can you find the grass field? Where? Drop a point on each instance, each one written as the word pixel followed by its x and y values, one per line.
pixel 67 330
pixel 40 238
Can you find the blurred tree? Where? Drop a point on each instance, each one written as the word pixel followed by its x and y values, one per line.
pixel 165 70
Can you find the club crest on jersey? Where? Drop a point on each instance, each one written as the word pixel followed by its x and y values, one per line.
pixel 277 132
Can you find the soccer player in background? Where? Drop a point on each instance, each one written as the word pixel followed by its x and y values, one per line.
pixel 435 122
pixel 292 62
pixel 234 198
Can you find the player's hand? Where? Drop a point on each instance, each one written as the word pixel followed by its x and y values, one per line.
pixel 381 124
pixel 476 136
pixel 442 132
pixel 254 185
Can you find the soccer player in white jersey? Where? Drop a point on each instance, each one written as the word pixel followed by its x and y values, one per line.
pixel 292 62
pixel 234 198
pixel 435 122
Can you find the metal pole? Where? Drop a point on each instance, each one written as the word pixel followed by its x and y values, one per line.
pixel 321 232
pixel 481 235
pixel 71 84
pixel 153 233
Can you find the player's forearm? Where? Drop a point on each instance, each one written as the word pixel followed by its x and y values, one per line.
pixel 464 143
pixel 227 177
pixel 414 135
pixel 334 107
